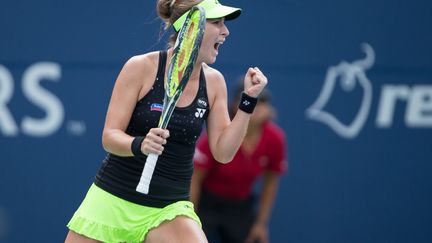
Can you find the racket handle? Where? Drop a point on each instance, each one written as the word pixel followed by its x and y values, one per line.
pixel 147 174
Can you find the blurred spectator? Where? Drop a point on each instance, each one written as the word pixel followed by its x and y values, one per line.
pixel 223 193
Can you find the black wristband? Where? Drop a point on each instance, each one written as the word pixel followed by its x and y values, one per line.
pixel 136 146
pixel 247 103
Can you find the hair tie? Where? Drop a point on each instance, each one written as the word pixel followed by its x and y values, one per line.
pixel 172 3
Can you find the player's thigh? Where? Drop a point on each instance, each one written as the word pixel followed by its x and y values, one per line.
pixel 73 237
pixel 180 229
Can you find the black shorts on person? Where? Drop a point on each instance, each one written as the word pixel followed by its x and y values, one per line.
pixel 224 220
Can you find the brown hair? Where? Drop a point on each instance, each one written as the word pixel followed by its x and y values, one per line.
pixel 170 10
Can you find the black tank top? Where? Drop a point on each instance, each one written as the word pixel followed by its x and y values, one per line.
pixel 172 176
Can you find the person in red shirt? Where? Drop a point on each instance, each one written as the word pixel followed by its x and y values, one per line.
pixel 223 193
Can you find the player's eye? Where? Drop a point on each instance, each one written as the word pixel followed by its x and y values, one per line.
pixel 216 21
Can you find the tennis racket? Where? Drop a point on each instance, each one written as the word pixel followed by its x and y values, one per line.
pixel 182 62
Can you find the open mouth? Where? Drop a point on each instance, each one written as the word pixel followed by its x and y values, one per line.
pixel 217 45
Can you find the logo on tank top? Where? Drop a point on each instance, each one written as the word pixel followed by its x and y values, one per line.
pixel 200 112
pixel 202 104
pixel 156 107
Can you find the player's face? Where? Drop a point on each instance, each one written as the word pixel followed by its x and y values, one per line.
pixel 214 35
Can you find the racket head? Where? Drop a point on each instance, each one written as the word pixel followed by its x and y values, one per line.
pixel 182 62
pixel 185 51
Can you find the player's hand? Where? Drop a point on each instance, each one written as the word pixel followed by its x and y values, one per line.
pixel 258 234
pixel 154 141
pixel 254 82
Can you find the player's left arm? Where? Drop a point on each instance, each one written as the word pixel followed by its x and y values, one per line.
pixel 225 136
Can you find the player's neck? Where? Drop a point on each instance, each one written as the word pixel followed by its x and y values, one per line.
pixel 195 74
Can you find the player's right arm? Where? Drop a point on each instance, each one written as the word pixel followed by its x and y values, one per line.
pixel 134 81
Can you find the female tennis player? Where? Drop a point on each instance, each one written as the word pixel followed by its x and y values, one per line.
pixel 113 211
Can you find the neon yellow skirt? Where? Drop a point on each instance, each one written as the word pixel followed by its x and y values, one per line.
pixel 107 218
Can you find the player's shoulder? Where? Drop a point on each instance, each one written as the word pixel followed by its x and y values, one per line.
pixel 140 69
pixel 143 61
pixel 215 82
pixel 212 73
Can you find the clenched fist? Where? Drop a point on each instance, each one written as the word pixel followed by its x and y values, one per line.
pixel 254 82
pixel 154 141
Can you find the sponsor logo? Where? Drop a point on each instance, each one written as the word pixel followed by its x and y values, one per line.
pixel 418 98
pixel 202 103
pixel 349 74
pixel 38 96
pixel 156 107
pixel 200 112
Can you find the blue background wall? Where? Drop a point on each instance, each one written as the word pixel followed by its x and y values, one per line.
pixel 373 185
